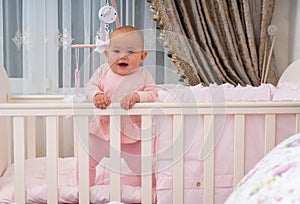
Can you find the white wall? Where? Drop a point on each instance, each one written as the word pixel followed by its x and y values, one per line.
pixel 287 45
pixel 294 34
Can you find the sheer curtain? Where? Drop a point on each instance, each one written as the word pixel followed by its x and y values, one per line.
pixel 36 38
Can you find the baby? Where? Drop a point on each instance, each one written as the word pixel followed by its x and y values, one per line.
pixel 122 80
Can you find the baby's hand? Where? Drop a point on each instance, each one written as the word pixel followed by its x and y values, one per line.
pixel 101 101
pixel 128 101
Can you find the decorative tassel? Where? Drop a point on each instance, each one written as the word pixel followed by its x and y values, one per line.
pixel 173 61
pixel 152 8
pixel 156 16
pixel 160 25
pixel 170 54
pixel 161 36
pixel 177 71
pixel 166 44
pixel 181 79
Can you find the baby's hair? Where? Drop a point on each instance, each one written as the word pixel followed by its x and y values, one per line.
pixel 127 29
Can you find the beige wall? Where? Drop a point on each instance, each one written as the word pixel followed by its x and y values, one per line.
pixel 287 45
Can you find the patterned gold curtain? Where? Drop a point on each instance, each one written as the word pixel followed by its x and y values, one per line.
pixel 217 41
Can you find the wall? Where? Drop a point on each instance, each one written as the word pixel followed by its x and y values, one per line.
pixel 294 34
pixel 287 45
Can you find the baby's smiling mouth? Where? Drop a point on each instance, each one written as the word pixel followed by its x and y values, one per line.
pixel 123 64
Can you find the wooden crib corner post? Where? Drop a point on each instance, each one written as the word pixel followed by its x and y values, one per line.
pixel 6 143
pixel 4 88
pixel 5 121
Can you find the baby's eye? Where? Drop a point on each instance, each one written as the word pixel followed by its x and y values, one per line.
pixel 116 51
pixel 131 52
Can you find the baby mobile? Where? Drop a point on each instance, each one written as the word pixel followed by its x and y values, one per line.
pixel 107 14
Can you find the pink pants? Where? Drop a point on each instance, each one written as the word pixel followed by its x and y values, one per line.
pixel 99 148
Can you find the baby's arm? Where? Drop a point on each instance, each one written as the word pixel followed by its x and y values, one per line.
pixel 93 91
pixel 146 94
pixel 149 92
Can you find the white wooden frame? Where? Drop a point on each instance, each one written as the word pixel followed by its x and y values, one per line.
pixel 21 109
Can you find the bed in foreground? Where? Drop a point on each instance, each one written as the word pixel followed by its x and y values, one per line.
pixel 197 141
pixel 275 179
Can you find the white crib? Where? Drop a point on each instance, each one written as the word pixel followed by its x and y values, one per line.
pixel 19 115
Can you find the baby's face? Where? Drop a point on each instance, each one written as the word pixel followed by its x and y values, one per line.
pixel 125 53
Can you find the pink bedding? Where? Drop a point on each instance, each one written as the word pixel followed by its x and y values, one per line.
pixel 193 157
pixel 36 188
pixel 223 149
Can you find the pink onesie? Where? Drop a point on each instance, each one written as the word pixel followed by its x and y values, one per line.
pixel 116 86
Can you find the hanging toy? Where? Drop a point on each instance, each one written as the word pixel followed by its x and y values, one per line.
pixel 76 73
pixel 107 15
pixel 78 97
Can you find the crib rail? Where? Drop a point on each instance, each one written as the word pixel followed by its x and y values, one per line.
pixel 82 111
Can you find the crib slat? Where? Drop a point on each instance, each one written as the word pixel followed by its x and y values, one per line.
pixel 178 169
pixel 297 123
pixel 19 158
pixel 146 159
pixel 208 156
pixel 31 137
pixel 75 148
pixel 52 155
pixel 9 143
pixel 115 154
pixel 270 133
pixel 239 145
pixel 81 139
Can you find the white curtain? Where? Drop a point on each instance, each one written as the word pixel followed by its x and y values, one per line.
pixel 34 34
pixel 36 38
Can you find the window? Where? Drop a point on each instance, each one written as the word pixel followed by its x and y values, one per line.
pixel 36 38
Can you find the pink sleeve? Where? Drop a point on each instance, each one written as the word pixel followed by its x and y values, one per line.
pixel 149 91
pixel 92 87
